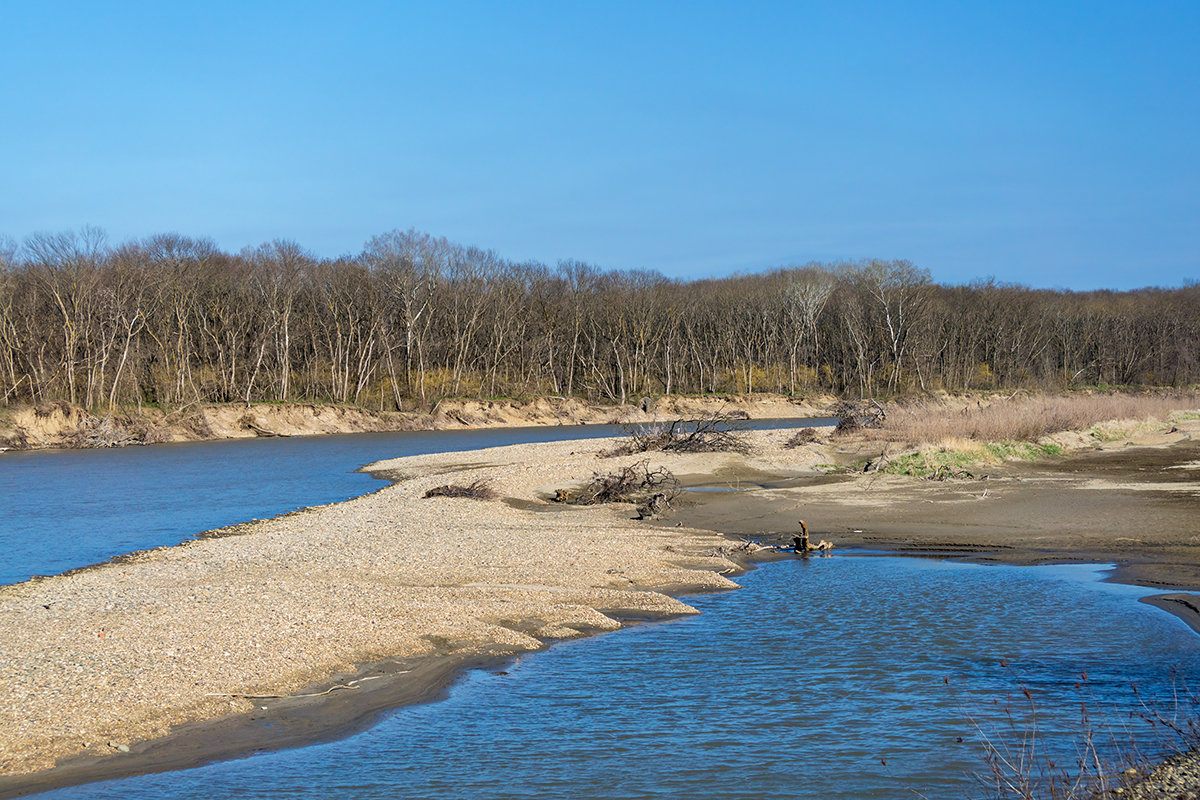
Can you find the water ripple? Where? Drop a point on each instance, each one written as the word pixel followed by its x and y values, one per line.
pixel 801 685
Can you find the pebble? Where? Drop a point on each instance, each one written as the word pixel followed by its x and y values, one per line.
pixel 317 592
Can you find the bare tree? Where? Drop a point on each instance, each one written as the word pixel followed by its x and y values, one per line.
pixel 808 291
pixel 414 318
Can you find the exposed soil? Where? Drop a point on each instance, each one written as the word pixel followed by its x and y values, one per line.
pixel 1138 507
pixel 62 425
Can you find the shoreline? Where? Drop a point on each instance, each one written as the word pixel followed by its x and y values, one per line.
pixel 607 571
pixel 60 425
pixel 283 723
pixel 887 523
pixel 314 714
pixel 318 713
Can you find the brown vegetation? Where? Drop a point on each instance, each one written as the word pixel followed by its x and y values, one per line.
pixel 411 319
pixel 857 414
pixel 800 438
pixel 635 483
pixel 714 434
pixel 1107 762
pixel 476 490
pixel 1020 419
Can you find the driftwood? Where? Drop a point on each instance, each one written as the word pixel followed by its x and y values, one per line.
pixel 804 546
pixel 657 504
pixel 801 437
pixel 856 414
pixel 636 483
pixel 719 433
pixel 250 423
pixel 476 490
pixel 943 473
pixel 107 432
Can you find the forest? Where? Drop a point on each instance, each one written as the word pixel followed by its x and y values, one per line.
pixel 413 318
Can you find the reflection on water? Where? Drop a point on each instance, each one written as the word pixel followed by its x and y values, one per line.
pixel 801 685
pixel 70 508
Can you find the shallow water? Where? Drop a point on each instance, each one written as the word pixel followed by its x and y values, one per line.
pixel 800 685
pixel 71 508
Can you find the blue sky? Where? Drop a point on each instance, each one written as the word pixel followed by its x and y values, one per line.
pixel 1051 144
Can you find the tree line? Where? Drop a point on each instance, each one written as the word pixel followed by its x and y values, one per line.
pixel 414 318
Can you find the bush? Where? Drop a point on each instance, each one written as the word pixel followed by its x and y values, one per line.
pixel 856 415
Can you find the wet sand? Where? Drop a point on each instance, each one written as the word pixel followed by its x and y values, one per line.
pixel 398 594
pixel 1135 504
pixel 1104 506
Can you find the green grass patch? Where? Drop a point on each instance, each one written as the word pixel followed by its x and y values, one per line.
pixel 854 466
pixel 931 464
pixel 1024 451
pixel 946 463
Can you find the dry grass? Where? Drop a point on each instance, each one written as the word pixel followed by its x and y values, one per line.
pixel 1144 749
pixel 1025 419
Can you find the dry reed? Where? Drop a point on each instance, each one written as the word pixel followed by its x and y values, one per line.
pixel 1023 419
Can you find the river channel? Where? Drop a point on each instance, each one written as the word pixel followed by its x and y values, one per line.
pixel 65 509
pixel 846 677
pixel 856 676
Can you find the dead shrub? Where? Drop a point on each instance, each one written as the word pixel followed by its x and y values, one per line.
pixel 800 438
pixel 198 424
pixel 43 410
pixel 476 490
pixel 636 483
pixel 857 415
pixel 719 433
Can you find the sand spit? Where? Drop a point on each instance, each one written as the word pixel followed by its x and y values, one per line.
pixel 104 658
pixel 402 591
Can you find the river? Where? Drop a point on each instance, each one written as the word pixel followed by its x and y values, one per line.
pixel 65 509
pixel 844 677
pixel 856 676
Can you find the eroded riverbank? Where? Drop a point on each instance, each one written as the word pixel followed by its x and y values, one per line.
pixel 63 425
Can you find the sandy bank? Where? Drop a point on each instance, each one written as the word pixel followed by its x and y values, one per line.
pixel 1134 502
pixel 62 425
pixel 111 657
pixel 402 591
